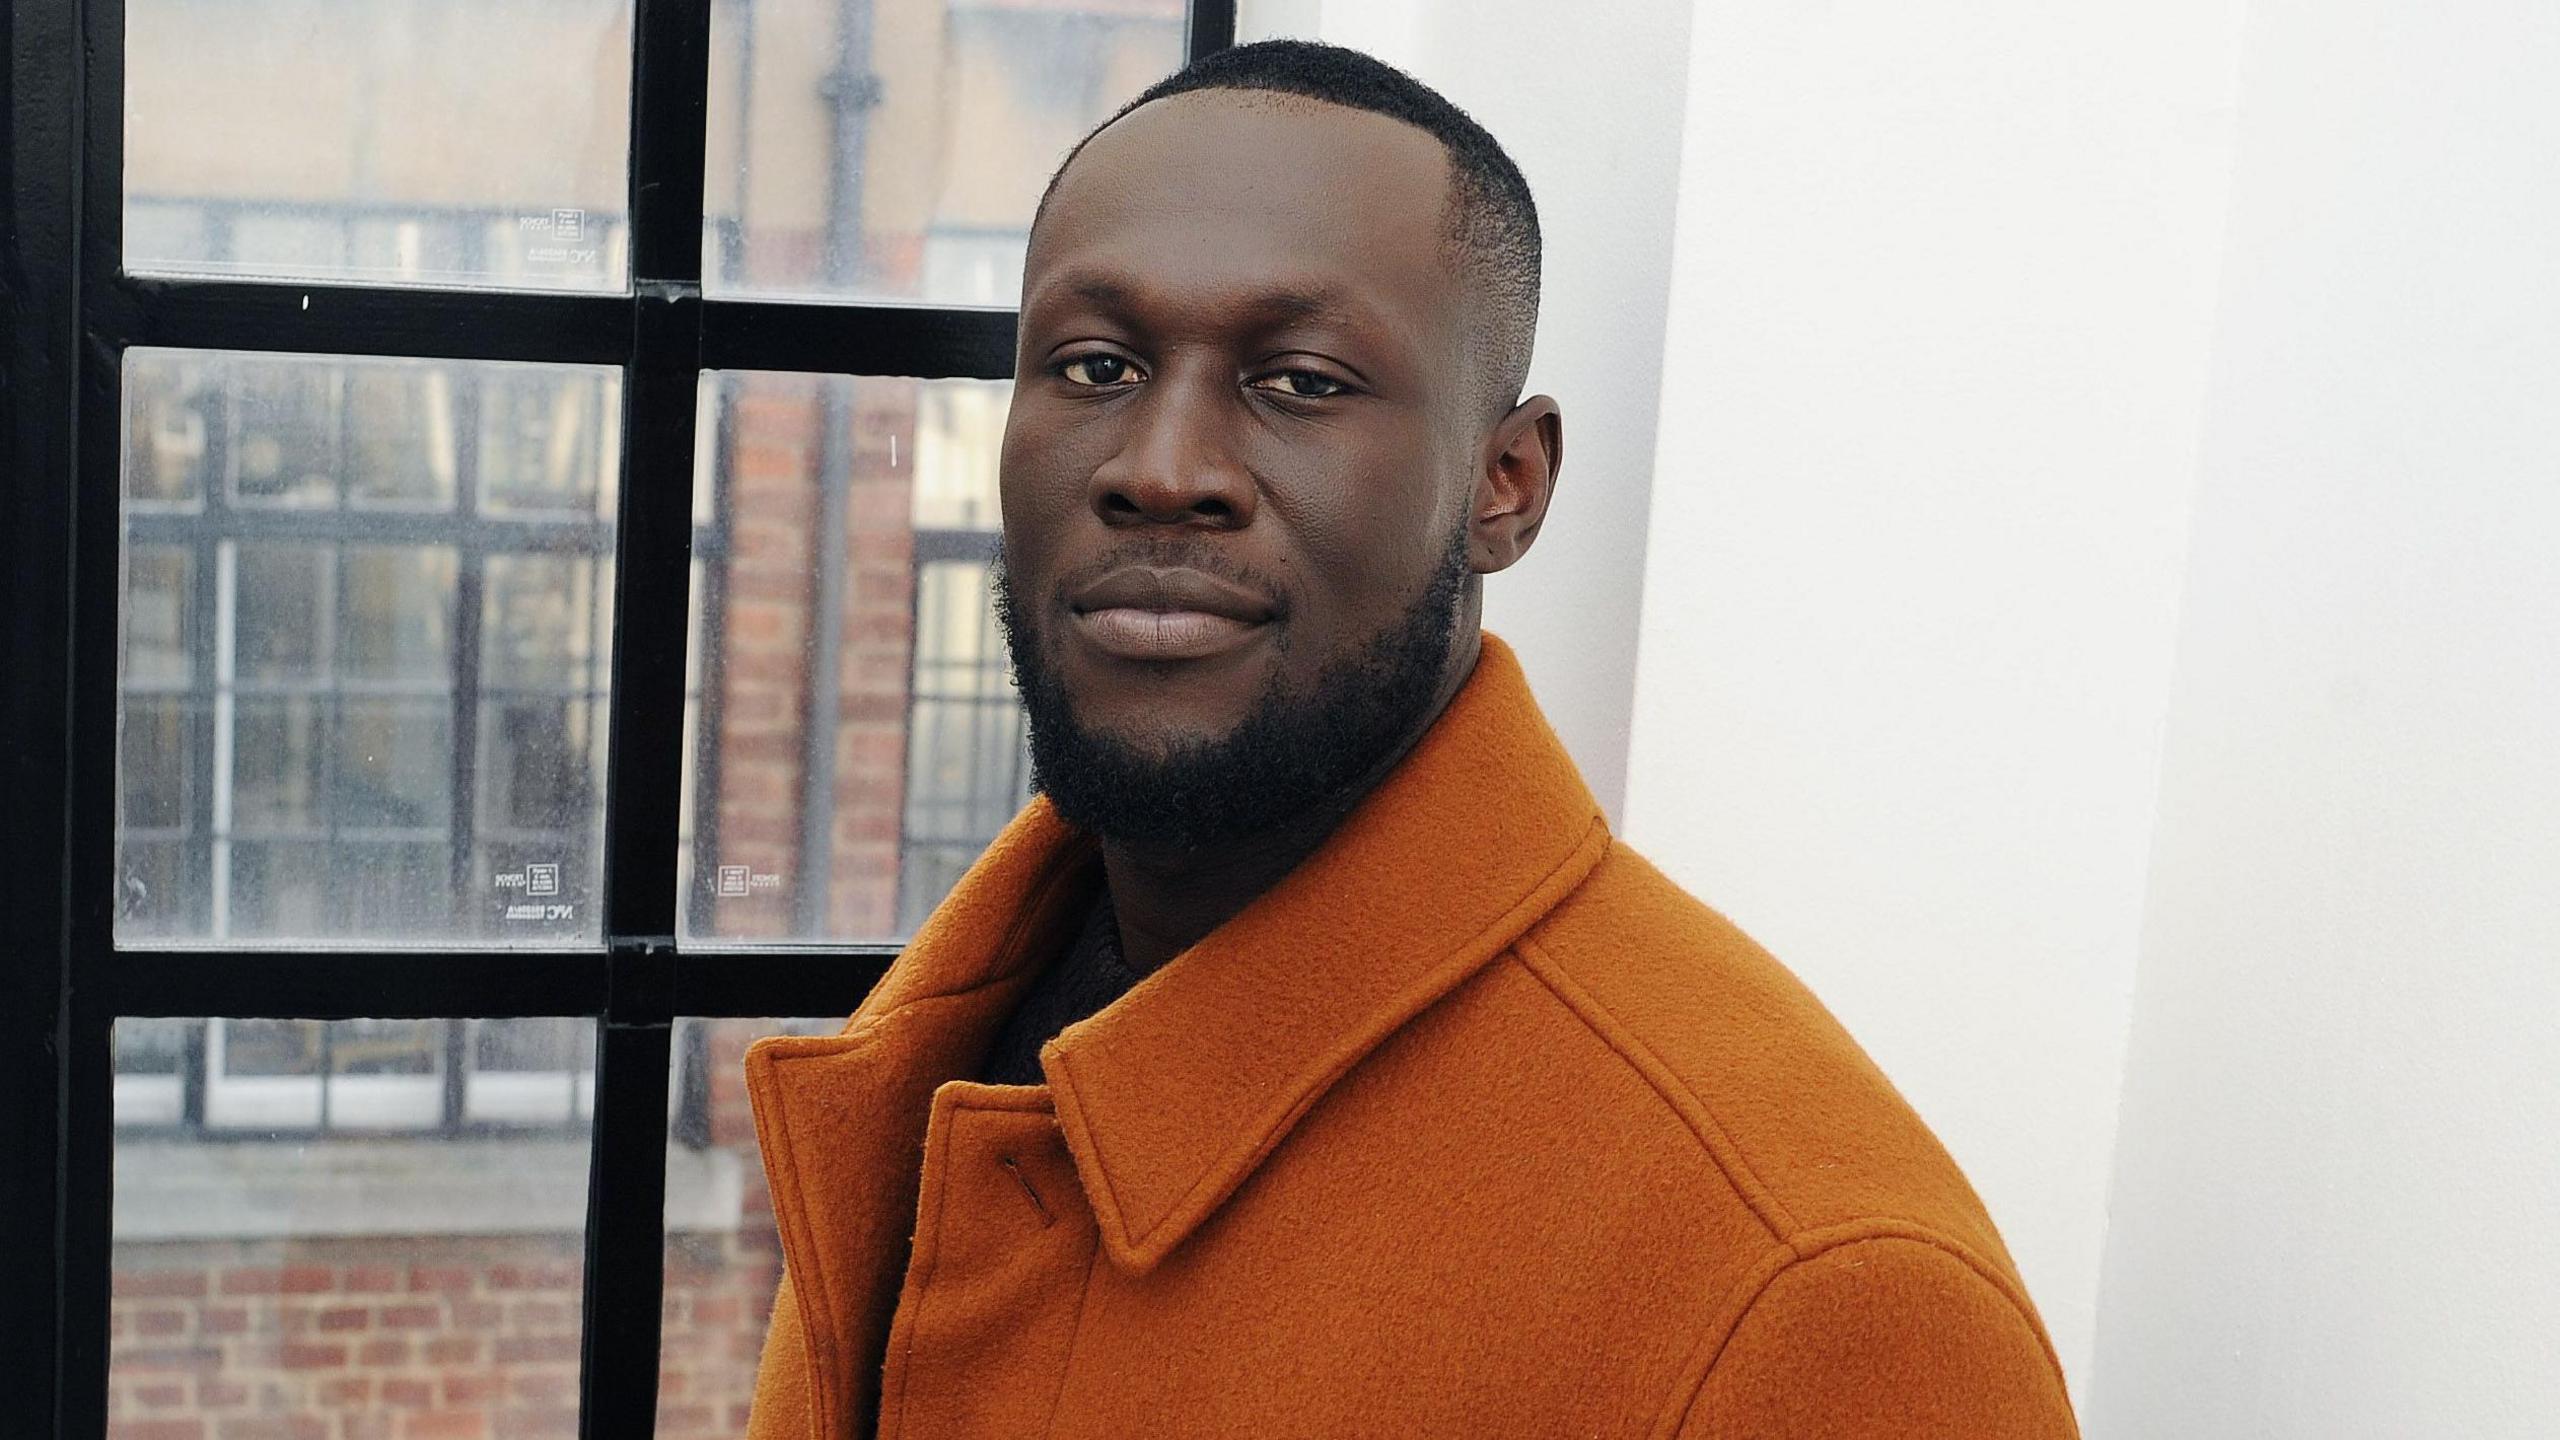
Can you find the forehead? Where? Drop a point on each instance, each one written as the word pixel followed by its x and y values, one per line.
pixel 1216 193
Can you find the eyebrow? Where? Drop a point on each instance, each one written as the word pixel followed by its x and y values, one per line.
pixel 1276 305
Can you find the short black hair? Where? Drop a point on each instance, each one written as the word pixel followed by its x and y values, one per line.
pixel 1493 222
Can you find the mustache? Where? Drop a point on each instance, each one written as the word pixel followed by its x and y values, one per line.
pixel 1173 552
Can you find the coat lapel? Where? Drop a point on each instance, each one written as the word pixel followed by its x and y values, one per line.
pixel 1171 1097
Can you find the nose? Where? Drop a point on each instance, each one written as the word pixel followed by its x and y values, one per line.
pixel 1177 464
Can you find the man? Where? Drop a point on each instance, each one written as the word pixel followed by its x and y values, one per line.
pixel 1308 1059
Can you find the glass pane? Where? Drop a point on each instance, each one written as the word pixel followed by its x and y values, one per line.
pixel 895 149
pixel 166 429
pixel 303 1246
pixel 723 1260
pixel 401 142
pixel 856 737
pixel 160 593
pixel 531 1071
pixel 404 453
pixel 354 709
pixel 549 444
pixel 544 621
pixel 398 612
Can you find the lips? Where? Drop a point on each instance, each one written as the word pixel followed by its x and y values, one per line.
pixel 1146 612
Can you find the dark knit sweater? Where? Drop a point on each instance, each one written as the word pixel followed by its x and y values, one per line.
pixel 1087 976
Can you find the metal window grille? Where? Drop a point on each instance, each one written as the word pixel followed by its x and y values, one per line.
pixel 74 314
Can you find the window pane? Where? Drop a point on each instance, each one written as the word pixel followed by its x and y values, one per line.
pixel 852 751
pixel 165 429
pixel 531 1071
pixel 895 149
pixel 723 1260
pixel 357 708
pixel 302 1247
pixel 548 444
pixel 404 142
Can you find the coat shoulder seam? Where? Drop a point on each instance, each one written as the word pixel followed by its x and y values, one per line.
pixel 1676 1094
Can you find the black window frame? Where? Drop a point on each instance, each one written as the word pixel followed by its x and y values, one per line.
pixel 71 315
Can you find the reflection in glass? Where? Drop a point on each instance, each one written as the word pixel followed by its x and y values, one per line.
pixel 311 1238
pixel 854 737
pixel 354 709
pixel 896 149
pixel 159 614
pixel 399 142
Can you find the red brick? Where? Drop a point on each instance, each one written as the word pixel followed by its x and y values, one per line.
pixel 453 1350
pixel 213 1394
pixel 542 1385
pixel 223 1320
pixel 547 1276
pixel 537 1425
pixel 251 1282
pixel 346 1392
pixel 448 1278
pixel 345 1317
pixel 534 1349
pixel 370 1279
pixel 160 1322
pixel 307 1279
pixel 170 1357
pixel 273 1427
pixel 161 1396
pixel 163 1284
pixel 155 1430
pixel 411 1317
pixel 475 1315
pixel 310 1357
pixel 383 1352
pixel 480 1389
pixel 447 1425
pixel 409 1394
pixel 542 1314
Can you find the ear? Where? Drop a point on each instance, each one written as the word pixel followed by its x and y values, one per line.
pixel 1514 483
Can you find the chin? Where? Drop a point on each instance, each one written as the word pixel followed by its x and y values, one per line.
pixel 1149 733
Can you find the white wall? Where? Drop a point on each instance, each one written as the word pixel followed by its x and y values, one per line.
pixel 1588 101
pixel 2008 377
pixel 1941 296
pixel 2339 1177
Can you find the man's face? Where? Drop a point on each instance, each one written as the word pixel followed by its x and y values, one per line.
pixel 1242 444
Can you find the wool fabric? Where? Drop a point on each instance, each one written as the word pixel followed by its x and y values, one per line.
pixel 1474 1125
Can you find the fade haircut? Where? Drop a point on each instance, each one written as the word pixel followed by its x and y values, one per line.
pixel 1492 221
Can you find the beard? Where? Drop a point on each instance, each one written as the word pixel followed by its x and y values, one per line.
pixel 1292 751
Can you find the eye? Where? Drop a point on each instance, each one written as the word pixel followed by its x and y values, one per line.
pixel 1098 370
pixel 1303 384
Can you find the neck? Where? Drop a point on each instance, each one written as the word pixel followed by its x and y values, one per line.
pixel 1167 900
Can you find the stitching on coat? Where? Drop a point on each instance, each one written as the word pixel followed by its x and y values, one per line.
pixel 1699 1118
pixel 1445 975
pixel 1867 1231
pixel 815 1338
pixel 924 1283
pixel 1075 1332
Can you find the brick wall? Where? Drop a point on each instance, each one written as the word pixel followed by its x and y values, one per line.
pixel 434 1337
pixel 764 672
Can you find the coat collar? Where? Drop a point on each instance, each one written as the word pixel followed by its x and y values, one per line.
pixel 1171 1096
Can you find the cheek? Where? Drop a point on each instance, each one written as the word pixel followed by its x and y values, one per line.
pixel 1364 535
pixel 1040 486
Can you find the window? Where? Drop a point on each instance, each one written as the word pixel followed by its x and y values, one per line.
pixel 526 618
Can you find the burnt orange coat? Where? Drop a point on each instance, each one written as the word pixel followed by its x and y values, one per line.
pixel 1475 1125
